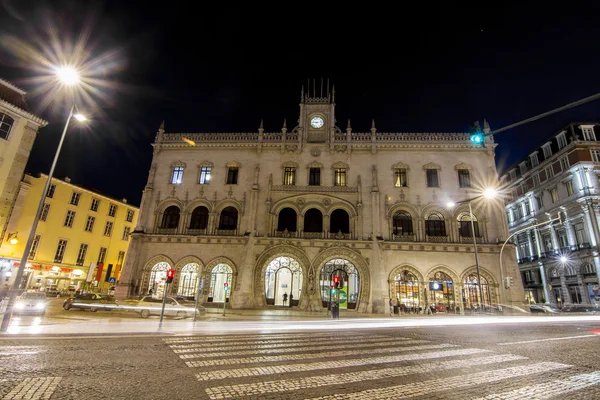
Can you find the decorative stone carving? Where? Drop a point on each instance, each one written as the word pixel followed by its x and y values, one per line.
pixel 400 165
pixel 402 196
pixel 431 166
pixel 206 163
pixel 327 202
pixel 462 166
pixel 300 201
pixel 315 152
pixel 178 164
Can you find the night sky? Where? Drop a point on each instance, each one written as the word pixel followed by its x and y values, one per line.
pixel 202 69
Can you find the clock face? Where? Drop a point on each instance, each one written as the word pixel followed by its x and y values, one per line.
pixel 316 122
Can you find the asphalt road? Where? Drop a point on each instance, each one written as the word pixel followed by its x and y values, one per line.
pixel 491 361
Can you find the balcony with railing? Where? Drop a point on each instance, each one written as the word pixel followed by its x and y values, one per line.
pixel 437 239
pixel 403 238
pixel 195 232
pixel 285 234
pixel 312 235
pixel 166 231
pixel 469 239
pixel 340 236
pixel 226 232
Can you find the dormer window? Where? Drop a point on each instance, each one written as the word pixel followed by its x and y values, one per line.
pixel 561 139
pixel 547 150
pixel 523 167
pixel 533 158
pixel 588 133
pixel 513 175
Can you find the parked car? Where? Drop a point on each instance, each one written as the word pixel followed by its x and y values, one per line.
pixel 149 305
pixel 543 308
pixel 31 303
pixel 90 301
pixel 582 308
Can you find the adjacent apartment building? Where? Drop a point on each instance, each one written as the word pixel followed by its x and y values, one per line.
pixel 272 215
pixel 81 239
pixel 558 263
pixel 18 129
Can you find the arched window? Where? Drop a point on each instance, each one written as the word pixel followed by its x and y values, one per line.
pixel 199 219
pixel 349 282
pixel 313 221
pixel 158 279
pixel 229 218
pixel 6 124
pixel 464 225
pixel 441 292
pixel 188 280
pixel 220 274
pixel 339 221
pixel 402 223
pixel 570 271
pixel 588 269
pixel 406 286
pixel 287 219
pixel 435 225
pixel 554 273
pixel 471 296
pixel 170 219
pixel 283 279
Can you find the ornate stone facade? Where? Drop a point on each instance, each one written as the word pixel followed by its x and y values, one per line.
pixel 319 196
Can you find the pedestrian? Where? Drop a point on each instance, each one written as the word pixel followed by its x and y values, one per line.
pixel 391 308
pixel 291 298
pixel 285 297
pixel 395 304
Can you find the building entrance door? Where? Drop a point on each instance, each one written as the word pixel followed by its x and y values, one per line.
pixel 349 279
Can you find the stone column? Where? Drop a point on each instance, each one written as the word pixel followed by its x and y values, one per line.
pixel 570 234
pixel 299 225
pixel 555 245
pixel 538 242
pixel 212 222
pixel 547 294
pixel 326 221
pixel 530 242
pixel 241 295
pixel 566 296
pixel 379 299
pixel 592 225
pixel 129 273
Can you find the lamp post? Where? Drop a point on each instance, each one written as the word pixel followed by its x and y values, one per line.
pixel 68 77
pixel 488 193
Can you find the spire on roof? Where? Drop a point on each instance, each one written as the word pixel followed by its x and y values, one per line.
pixel 373 124
pixel 349 126
pixel 486 126
pixel 333 94
pixel 261 124
pixel 162 126
pixel 284 123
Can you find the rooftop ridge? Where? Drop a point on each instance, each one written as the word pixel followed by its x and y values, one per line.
pixel 12 86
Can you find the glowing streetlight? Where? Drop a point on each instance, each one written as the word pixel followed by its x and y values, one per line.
pixel 80 117
pixel 67 76
pixel 563 259
pixel 13 239
pixel 490 193
pixel 450 204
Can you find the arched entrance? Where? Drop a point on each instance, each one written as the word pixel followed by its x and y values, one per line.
pixel 349 279
pixel 158 279
pixel 188 281
pixel 406 291
pixel 220 274
pixel 471 297
pixel 283 277
pixel 441 292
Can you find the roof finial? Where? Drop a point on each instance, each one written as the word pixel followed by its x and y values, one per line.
pixel 302 94
pixel 333 94
pixel 261 124
pixel 284 123
pixel 373 123
pixel 162 126
pixel 486 126
pixel 349 127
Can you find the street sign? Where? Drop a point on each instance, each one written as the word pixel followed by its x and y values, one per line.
pixel 112 280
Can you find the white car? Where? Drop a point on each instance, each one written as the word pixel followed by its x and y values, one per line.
pixel 149 305
pixel 31 303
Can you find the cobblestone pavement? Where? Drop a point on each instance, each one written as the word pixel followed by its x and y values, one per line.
pixel 539 361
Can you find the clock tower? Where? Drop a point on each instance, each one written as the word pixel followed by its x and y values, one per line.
pixel 317 115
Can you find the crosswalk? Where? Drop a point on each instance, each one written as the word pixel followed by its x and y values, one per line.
pixel 361 366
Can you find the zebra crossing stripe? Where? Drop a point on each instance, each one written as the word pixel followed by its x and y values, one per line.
pixel 288 385
pixel 229 338
pixel 271 350
pixel 261 344
pixel 424 388
pixel 296 357
pixel 304 367
pixel 550 389
pixel 34 388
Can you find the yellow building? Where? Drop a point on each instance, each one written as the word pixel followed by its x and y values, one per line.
pixel 81 239
pixel 18 129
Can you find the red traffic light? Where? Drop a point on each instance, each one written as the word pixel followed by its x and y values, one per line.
pixel 170 275
pixel 226 284
pixel 336 279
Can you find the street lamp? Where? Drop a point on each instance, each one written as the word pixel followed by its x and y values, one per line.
pixel 68 76
pixel 489 193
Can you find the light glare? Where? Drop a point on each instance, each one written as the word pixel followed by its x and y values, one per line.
pixel 80 117
pixel 490 193
pixel 450 204
pixel 563 259
pixel 68 75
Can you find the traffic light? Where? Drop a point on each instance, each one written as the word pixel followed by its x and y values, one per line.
pixel 336 281
pixel 170 275
pixel 226 286
pixel 333 289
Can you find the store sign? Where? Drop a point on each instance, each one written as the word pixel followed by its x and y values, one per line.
pixel 594 293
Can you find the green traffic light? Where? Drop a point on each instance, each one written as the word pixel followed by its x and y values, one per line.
pixel 477 138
